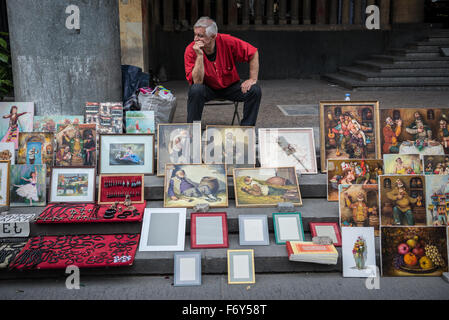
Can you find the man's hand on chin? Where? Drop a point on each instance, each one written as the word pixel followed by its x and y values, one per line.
pixel 246 85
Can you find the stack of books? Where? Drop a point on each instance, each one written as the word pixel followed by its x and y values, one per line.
pixel 309 252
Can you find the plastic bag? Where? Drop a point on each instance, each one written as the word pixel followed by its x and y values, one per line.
pixel 161 101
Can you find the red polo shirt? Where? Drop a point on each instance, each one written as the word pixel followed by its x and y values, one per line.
pixel 222 72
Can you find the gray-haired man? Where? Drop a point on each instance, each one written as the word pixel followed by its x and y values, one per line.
pixel 210 70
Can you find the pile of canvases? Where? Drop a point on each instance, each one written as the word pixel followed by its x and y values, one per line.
pixel 374 194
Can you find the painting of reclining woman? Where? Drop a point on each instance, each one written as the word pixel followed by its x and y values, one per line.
pixel 266 187
pixel 187 185
pixel 349 130
pixel 415 131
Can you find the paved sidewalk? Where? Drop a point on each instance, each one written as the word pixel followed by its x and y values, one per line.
pixel 286 92
pixel 267 287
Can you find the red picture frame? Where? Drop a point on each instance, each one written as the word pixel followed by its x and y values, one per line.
pixel 313 226
pixel 193 230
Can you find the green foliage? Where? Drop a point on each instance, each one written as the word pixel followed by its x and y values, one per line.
pixel 6 84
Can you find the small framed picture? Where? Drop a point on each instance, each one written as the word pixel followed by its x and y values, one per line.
pixel 28 185
pixel 187 270
pixel 288 227
pixel 8 152
pixel 359 252
pixel 115 187
pixel 4 182
pixel 208 230
pixel 253 230
pixel 127 153
pixel 74 185
pixel 241 267
pixel 326 229
pixel 163 229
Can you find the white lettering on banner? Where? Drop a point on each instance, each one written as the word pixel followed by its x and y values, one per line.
pixel 373 20
pixel 214 143
pixel 73 280
pixel 73 20
pixel 373 283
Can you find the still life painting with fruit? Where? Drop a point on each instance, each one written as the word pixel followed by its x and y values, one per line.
pixel 414 251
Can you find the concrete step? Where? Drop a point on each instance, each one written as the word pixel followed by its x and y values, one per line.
pixel 312 210
pixel 388 58
pixel 268 259
pixel 356 84
pixel 396 66
pixel 424 48
pixel 407 75
pixel 415 53
pixel 440 38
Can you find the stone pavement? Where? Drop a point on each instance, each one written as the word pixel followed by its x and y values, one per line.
pixel 286 92
pixel 214 287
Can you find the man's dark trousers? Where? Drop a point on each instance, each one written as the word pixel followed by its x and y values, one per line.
pixel 199 94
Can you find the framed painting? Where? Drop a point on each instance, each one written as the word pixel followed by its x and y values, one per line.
pixel 349 130
pixel 402 200
pixel 414 251
pixel 36 148
pixel 107 116
pixel 76 146
pixel 359 252
pixel 8 152
pixel 253 230
pixel 15 117
pixel 436 164
pixel 288 227
pixel 28 185
pixel 326 229
pixel 127 153
pixel 187 271
pixel 403 164
pixel 437 200
pixel 72 185
pixel 140 122
pixel 359 206
pixel 178 144
pixel 266 187
pixel 232 145
pixel 5 166
pixel 115 187
pixel 186 185
pixel 241 268
pixel 415 131
pixel 51 123
pixel 283 147
pixel 349 172
pixel 208 230
pixel 163 229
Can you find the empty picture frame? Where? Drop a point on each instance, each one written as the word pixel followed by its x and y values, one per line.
pixel 253 230
pixel 187 269
pixel 241 267
pixel 288 227
pixel 326 229
pixel 208 230
pixel 163 229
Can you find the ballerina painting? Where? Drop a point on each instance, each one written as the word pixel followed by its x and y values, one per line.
pixel 19 118
pixel 28 185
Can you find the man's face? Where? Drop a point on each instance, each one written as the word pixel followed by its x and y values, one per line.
pixel 200 36
pixel 180 174
pixel 390 121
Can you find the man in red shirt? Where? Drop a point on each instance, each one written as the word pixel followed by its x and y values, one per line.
pixel 210 70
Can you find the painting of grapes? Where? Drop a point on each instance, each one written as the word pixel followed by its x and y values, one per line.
pixel 414 251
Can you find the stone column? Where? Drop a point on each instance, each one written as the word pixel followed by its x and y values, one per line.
pixel 307 7
pixel 408 11
pixel 345 12
pixel 60 69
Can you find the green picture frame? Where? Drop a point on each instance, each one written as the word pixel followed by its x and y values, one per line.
pixel 282 239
